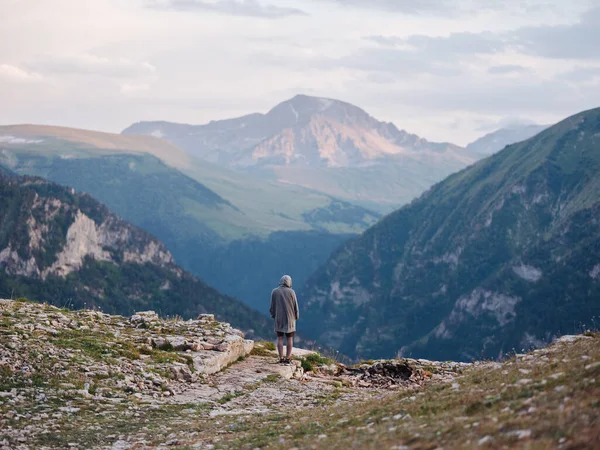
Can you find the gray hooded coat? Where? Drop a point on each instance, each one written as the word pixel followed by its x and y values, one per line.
pixel 284 306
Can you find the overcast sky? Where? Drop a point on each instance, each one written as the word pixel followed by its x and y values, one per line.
pixel 445 69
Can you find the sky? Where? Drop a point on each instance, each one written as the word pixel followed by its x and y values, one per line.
pixel 447 70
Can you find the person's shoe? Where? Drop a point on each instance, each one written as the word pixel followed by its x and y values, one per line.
pixel 281 360
pixel 287 361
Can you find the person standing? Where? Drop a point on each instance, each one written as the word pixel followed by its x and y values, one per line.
pixel 284 309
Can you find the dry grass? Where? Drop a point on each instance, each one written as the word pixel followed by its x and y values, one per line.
pixel 107 141
pixel 523 403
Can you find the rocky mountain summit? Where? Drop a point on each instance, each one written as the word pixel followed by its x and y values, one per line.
pixel 84 379
pixel 322 144
pixel 302 131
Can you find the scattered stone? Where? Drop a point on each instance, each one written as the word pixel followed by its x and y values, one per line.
pixel 520 434
pixel 566 339
pixel 146 363
pixel 485 440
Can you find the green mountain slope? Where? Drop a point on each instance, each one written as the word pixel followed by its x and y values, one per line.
pixel 236 232
pixel 262 206
pixel 68 249
pixel 500 256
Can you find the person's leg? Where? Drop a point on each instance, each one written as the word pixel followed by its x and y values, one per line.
pixel 280 345
pixel 290 345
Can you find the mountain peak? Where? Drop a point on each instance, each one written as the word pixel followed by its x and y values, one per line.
pixel 302 108
pixel 306 131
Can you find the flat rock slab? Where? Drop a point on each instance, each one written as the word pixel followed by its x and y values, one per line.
pixel 209 362
pixel 301 352
pixel 260 385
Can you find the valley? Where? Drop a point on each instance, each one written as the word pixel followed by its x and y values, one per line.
pixel 415 282
pixel 213 227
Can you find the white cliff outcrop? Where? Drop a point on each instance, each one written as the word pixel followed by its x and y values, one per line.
pixel 83 241
pixel 111 240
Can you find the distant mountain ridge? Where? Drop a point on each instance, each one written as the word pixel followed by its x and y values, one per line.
pixel 500 256
pixel 497 140
pixel 321 144
pixel 303 131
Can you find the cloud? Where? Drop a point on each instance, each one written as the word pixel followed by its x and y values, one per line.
pixel 96 65
pixel 245 8
pixel 580 75
pixel 132 89
pixel 507 69
pixel 528 96
pixel 457 43
pixel 398 62
pixel 420 54
pixel 576 41
pixel 15 74
pixel 505 122
pixel 404 6
pixel 449 8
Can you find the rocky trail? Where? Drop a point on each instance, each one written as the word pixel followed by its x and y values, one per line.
pixel 83 379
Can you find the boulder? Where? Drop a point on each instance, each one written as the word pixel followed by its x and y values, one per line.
pixel 144 319
pixel 178 343
pixel 181 372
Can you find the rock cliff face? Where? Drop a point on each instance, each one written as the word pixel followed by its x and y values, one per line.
pixel 44 218
pixel 500 256
pixel 66 248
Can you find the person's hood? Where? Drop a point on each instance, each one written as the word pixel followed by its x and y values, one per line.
pixel 286 281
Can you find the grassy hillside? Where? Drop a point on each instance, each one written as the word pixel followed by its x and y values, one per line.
pixel 220 225
pixel 264 206
pixel 502 255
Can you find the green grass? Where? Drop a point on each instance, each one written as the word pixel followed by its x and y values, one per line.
pixel 95 345
pixel 263 348
pixel 230 396
pixel 314 361
pixel 488 402
pixel 272 378
pixel 89 345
